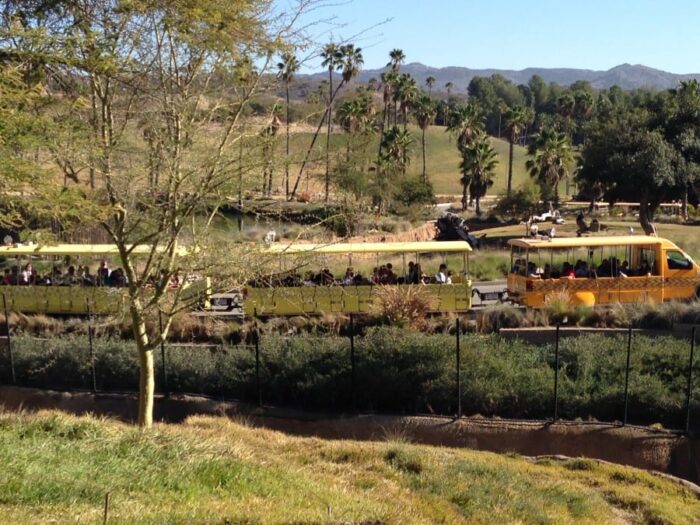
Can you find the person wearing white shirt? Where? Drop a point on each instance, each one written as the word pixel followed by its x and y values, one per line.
pixel 441 276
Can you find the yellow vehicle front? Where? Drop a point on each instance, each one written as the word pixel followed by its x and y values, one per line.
pixel 614 269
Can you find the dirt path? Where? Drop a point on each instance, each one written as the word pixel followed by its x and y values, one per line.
pixel 640 447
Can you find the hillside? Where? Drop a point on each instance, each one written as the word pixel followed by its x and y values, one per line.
pixel 58 468
pixel 626 76
pixel 442 160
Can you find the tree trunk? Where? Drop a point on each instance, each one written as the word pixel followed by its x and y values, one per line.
pixel 684 203
pixel 310 149
pixel 646 216
pixel 510 165
pixel 146 373
pixel 465 198
pixel 425 173
pixel 328 134
pixel 478 205
pixel 286 160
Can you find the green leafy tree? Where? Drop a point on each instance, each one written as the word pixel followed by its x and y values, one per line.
pixel 188 68
pixel 465 123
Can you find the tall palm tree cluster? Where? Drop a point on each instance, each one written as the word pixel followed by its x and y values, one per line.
pixel 402 100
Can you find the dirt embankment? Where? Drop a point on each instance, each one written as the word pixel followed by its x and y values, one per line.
pixel 645 448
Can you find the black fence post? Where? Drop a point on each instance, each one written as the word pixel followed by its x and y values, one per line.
pixel 556 374
pixel 459 366
pixel 352 363
pixel 9 340
pixel 627 372
pixel 91 343
pixel 164 369
pixel 256 340
pixel 689 391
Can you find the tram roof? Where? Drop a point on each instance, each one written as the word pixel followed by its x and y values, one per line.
pixel 589 242
pixel 73 249
pixel 372 247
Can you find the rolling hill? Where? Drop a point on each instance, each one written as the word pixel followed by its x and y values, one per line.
pixel 626 76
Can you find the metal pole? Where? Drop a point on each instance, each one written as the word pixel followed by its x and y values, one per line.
pixel 689 391
pixel 256 340
pixel 164 370
pixel 627 372
pixel 9 340
pixel 459 377
pixel 92 347
pixel 352 362
pixel 556 375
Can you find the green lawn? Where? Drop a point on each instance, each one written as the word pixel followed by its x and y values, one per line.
pixel 58 468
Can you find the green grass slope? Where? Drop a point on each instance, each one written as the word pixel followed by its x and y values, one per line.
pixel 57 469
pixel 442 159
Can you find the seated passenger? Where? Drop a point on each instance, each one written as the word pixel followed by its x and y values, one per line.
pixel 547 273
pixel 644 270
pixel 103 274
pixel 409 274
pixel 449 277
pixel 326 277
pixel 624 269
pixel 605 270
pixel 582 271
pixel 441 275
pixel 70 278
pixel 593 272
pixel 349 277
pixel 6 277
pixel 28 276
pixel 532 271
pixel 358 280
pixel 389 275
pixel 567 271
pixel 308 279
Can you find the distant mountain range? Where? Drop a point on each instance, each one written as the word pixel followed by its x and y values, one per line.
pixel 626 76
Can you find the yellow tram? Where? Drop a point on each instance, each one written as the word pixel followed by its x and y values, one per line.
pixel 601 270
pixel 358 298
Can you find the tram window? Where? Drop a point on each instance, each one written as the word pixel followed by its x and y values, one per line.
pixel 677 261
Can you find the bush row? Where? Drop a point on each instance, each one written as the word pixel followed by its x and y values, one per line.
pixel 397 371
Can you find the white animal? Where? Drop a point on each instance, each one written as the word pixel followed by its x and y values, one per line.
pixel 270 237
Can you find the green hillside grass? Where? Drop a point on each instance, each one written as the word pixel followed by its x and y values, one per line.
pixel 442 159
pixel 57 469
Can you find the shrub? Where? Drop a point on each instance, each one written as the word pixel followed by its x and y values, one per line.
pixel 414 191
pixel 403 305
pixel 520 202
pixel 493 318
pixel 559 307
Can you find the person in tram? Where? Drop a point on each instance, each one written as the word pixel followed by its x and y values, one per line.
pixel 349 277
pixel 441 275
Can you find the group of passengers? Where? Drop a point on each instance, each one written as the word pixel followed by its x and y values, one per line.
pixel 80 276
pixel 582 270
pixel 381 275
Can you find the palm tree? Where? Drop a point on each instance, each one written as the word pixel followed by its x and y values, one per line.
pixel 551 156
pixel 478 168
pixel 356 116
pixel 465 123
pixel 448 87
pixel 287 68
pixel 395 145
pixel 516 120
pixel 396 58
pixel 425 111
pixel 448 108
pixel 405 94
pixel 268 134
pixel 332 59
pixel 389 79
pixel 350 61
pixel 430 82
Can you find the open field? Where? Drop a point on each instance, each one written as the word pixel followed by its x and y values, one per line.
pixel 58 468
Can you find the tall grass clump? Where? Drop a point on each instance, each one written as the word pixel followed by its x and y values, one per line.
pixel 403 305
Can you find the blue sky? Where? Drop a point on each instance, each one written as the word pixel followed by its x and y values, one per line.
pixel 510 34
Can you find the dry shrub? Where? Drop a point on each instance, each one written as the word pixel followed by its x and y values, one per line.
pixel 559 307
pixel 498 316
pixel 403 305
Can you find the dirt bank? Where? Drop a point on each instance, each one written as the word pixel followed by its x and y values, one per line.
pixel 645 448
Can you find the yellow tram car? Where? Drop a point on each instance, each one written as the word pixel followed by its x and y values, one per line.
pixel 616 269
pixel 301 300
